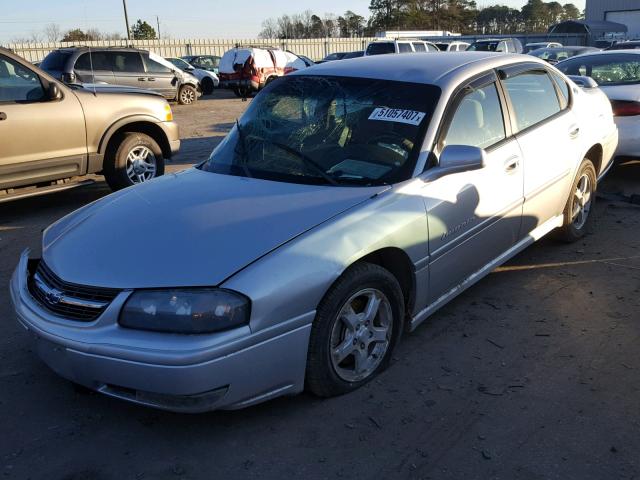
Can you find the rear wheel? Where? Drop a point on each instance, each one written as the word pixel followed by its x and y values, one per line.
pixel 132 158
pixel 357 326
pixel 207 86
pixel 578 214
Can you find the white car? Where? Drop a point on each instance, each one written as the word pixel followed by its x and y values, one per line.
pixel 452 46
pixel 617 72
pixel 380 47
pixel 208 80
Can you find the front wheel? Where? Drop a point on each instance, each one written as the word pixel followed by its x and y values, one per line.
pixel 187 95
pixel 578 210
pixel 357 326
pixel 207 86
pixel 132 158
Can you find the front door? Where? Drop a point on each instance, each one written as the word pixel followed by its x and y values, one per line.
pixel 474 216
pixel 161 78
pixel 40 139
pixel 128 69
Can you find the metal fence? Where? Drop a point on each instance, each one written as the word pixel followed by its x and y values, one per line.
pixel 315 48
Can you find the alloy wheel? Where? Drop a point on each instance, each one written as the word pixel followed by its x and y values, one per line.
pixel 361 335
pixel 187 96
pixel 581 204
pixel 141 164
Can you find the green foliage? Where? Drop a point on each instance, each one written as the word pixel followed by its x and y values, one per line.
pixel 143 31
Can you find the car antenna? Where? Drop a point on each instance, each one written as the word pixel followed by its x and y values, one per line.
pixel 93 75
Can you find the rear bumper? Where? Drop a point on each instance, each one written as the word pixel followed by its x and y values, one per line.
pixel 241 83
pixel 184 373
pixel 628 136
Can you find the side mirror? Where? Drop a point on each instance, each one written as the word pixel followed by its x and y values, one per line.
pixel 189 68
pixel 54 91
pixel 461 158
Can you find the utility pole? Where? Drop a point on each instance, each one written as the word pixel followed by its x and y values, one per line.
pixel 126 19
pixel 158 23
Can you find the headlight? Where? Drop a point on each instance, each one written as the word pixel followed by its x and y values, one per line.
pixel 185 310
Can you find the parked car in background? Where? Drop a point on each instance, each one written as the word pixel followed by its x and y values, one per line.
pixel 536 45
pixel 617 72
pixel 246 70
pixel 356 54
pixel 122 66
pixel 347 204
pixel 455 46
pixel 502 45
pixel 557 54
pixel 209 63
pixel 307 61
pixel 51 132
pixel 630 45
pixel 332 57
pixel 208 79
pixel 604 43
pixel 381 47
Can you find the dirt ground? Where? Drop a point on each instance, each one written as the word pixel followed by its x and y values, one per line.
pixel 534 373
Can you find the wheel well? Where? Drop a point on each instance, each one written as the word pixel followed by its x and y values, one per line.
pixel 148 128
pixel 595 155
pixel 399 264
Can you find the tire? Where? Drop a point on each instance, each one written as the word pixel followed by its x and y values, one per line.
pixel 128 160
pixel 335 330
pixel 207 86
pixel 582 196
pixel 187 95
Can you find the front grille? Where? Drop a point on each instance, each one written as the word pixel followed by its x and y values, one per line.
pixel 68 300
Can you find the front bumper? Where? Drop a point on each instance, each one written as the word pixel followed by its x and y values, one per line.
pixel 185 373
pixel 172 132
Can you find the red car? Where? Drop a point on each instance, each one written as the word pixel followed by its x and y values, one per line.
pixel 247 70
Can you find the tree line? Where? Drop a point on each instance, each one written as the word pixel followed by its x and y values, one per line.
pixel 141 30
pixel 459 16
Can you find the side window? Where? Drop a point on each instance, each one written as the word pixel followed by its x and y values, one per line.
pixel 126 61
pixel 478 119
pixel 93 61
pixel 155 67
pixel 432 48
pixel 404 48
pixel 564 90
pixel 18 83
pixel 419 47
pixel 502 47
pixel 533 97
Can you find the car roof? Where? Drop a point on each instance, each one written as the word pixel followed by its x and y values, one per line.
pixel 418 67
pixel 630 51
pixel 81 48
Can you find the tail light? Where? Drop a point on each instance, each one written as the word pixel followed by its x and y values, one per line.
pixel 625 108
pixel 289 70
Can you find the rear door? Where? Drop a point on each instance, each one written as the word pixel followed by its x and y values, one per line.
pixel 474 216
pixel 548 135
pixel 40 139
pixel 128 69
pixel 94 67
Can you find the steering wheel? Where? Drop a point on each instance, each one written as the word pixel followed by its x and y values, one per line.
pixel 386 140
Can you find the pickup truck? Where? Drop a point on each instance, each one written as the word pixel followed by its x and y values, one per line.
pixel 51 133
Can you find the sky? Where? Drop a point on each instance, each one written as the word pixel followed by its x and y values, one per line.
pixel 179 18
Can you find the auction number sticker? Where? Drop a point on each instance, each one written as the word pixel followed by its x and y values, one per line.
pixel 398 115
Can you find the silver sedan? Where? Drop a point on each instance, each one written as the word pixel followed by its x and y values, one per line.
pixel 348 204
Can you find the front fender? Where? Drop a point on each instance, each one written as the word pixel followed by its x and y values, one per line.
pixel 291 280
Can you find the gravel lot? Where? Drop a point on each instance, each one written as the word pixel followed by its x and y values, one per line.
pixel 531 374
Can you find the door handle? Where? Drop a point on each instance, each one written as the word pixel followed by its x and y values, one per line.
pixel 574 131
pixel 152 79
pixel 142 79
pixel 3 116
pixel 511 164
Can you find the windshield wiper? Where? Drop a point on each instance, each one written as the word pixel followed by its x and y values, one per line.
pixel 307 161
pixel 243 146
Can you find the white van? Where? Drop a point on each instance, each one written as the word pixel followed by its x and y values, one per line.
pixel 380 47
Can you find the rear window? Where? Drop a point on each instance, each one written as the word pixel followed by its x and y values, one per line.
pixel 419 47
pixel 55 61
pixel 610 69
pixel 404 48
pixel 93 61
pixel 483 47
pixel 380 48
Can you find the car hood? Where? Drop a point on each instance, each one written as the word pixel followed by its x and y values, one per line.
pixel 194 228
